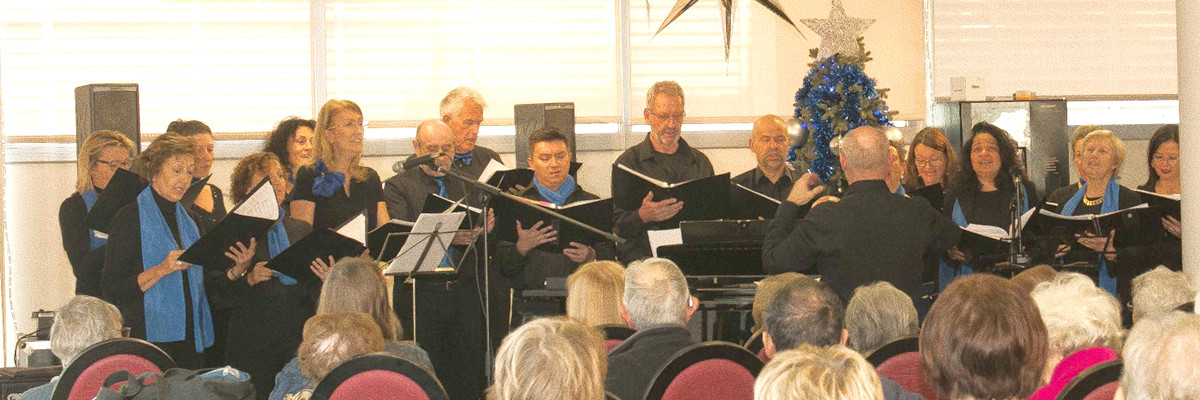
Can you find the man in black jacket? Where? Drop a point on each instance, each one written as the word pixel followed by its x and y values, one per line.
pixel 656 304
pixel 869 235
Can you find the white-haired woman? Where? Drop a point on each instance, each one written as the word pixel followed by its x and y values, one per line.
pixel 82 322
pixel 1083 325
pixel 818 373
pixel 550 359
pixel 877 314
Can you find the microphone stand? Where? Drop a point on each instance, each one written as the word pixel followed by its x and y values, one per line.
pixel 489 192
pixel 1018 259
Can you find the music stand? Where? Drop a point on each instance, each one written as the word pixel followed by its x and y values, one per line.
pixel 428 230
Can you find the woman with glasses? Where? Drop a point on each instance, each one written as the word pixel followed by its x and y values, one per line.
pixel 983 194
pixel 335 187
pixel 931 161
pixel 102 154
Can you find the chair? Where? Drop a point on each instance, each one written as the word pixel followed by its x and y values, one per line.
pixel 614 335
pixel 709 370
pixel 85 375
pixel 891 349
pixel 1098 382
pixel 379 376
pixel 905 369
pixel 755 345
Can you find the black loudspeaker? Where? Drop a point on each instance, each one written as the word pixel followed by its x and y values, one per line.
pixel 108 106
pixel 531 117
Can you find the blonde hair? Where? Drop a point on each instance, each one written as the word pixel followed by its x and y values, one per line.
pixel 1117 145
pixel 322 148
pixel 551 358
pixel 767 289
pixel 89 155
pixel 163 147
pixel 356 285
pixel 594 293
pixel 331 339
pixel 818 373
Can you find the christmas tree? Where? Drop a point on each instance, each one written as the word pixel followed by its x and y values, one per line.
pixel 837 95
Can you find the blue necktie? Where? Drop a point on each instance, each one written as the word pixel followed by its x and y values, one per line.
pixel 441 184
pixel 464 158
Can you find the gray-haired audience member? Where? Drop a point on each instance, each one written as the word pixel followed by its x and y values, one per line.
pixel 1160 358
pixel 808 312
pixel 877 314
pixel 82 322
pixel 657 305
pixel 1083 325
pixel 1160 290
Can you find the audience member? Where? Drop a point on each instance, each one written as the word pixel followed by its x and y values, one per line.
pixel 594 293
pixel 82 322
pixel 658 306
pixel 877 314
pixel 983 339
pixel 331 339
pixel 1160 290
pixel 1160 358
pixel 818 373
pixel 767 288
pixel 354 286
pixel 550 359
pixel 1028 279
pixel 808 312
pixel 1083 325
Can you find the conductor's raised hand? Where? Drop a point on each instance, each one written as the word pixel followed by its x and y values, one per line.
pixel 656 211
pixel 807 188
pixel 535 236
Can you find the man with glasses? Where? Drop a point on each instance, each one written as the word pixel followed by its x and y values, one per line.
pixel 665 156
pixel 773 177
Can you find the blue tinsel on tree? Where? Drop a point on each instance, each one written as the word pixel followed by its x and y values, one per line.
pixel 837 96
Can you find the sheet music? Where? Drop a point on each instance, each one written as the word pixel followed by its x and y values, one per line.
pixel 355 229
pixel 772 199
pixel 665 237
pixel 988 231
pixel 1175 197
pixel 261 204
pixel 422 233
pixel 661 184
pixel 492 168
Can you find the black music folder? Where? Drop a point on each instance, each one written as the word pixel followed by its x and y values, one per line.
pixel 703 198
pixel 435 204
pixel 250 219
pixel 505 178
pixel 122 189
pixel 193 192
pixel 595 213
pixel 745 203
pixel 1166 204
pixel 386 241
pixel 321 243
pixel 1129 224
pixel 936 194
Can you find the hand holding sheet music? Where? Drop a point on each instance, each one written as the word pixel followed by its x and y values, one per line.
pixel 249 220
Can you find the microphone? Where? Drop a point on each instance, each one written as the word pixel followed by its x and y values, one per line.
pixel 427 159
pixel 1015 171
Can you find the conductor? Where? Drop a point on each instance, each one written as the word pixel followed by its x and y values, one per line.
pixel 869 235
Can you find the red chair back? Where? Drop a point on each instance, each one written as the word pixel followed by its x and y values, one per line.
pixel 905 369
pixel 1098 382
pixel 85 376
pixel 1106 392
pixel 379 376
pixel 711 370
pixel 612 344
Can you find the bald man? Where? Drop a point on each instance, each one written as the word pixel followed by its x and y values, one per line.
pixel 449 312
pixel 773 177
pixel 870 235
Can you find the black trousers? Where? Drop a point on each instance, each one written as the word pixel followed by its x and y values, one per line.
pixel 450 328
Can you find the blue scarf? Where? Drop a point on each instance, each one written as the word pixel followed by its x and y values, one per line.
pixel 900 190
pixel 277 242
pixel 327 183
pixel 947 273
pixel 464 158
pixel 1112 194
pixel 89 200
pixel 560 196
pixel 163 302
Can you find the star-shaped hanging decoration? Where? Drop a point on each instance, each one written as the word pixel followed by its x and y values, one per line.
pixel 726 16
pixel 839 33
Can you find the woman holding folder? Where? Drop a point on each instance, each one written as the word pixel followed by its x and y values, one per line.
pixel 100 156
pixel 269 308
pixel 984 193
pixel 210 203
pixel 163 299
pixel 336 187
pixel 1101 157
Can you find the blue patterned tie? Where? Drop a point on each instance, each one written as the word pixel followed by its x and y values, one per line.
pixel 441 184
pixel 464 158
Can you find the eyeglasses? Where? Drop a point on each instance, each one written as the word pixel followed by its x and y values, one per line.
pixel 932 161
pixel 351 124
pixel 1161 158
pixel 114 164
pixel 676 117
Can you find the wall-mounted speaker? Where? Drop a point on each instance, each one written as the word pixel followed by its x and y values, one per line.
pixel 107 106
pixel 531 117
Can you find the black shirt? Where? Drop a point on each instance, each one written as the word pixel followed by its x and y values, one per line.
pixel 531 270
pixel 217 213
pixel 755 180
pixel 987 208
pixel 331 212
pixel 86 263
pixel 686 163
pixel 870 235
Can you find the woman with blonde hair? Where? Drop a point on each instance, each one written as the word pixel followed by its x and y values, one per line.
pixel 355 285
pixel 818 373
pixel 336 186
pixel 594 293
pixel 100 156
pixel 551 358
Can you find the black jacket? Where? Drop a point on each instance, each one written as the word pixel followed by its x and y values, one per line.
pixel 642 158
pixel 531 270
pixel 870 235
pixel 633 365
